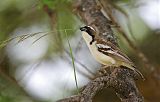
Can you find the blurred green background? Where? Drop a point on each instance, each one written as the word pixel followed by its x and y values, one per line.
pixel 35 65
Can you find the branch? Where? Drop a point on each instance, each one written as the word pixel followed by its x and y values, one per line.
pixel 120 79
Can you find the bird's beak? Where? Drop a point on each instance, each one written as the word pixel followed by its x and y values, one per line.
pixel 82 28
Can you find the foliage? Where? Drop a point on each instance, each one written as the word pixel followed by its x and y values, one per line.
pixel 56 4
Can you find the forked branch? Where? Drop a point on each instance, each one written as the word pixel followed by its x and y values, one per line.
pixel 121 80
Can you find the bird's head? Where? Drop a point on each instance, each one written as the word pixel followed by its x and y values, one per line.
pixel 88 33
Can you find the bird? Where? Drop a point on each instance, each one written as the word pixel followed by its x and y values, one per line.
pixel 105 52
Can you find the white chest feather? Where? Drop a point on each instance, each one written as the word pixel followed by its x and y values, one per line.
pixel 100 57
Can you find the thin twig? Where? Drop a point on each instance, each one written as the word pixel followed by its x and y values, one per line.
pixel 78 70
pixel 85 67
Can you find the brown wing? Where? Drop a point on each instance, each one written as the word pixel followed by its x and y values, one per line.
pixel 109 49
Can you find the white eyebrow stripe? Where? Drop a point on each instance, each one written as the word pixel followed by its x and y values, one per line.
pixel 91 28
pixel 103 46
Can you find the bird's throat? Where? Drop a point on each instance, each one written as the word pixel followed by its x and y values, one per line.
pixel 88 39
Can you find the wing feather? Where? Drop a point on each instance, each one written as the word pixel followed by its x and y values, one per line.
pixel 109 49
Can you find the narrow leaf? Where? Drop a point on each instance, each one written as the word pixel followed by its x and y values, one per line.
pixel 74 68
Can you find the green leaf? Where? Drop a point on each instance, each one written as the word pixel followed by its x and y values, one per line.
pixel 66 20
pixel 54 4
pixel 74 68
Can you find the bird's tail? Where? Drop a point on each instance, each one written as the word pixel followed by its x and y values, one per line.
pixel 132 67
pixel 139 73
